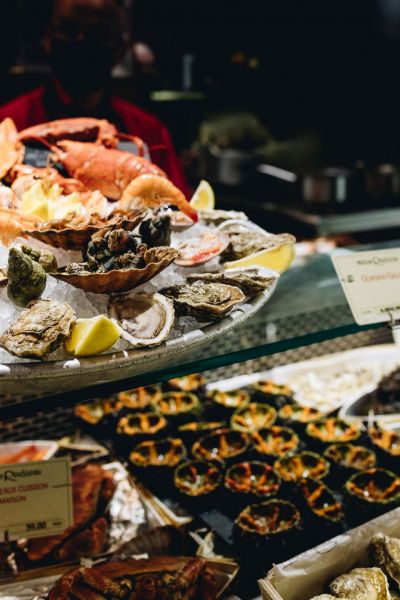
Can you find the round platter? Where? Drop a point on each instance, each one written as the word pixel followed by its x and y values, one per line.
pixel 50 377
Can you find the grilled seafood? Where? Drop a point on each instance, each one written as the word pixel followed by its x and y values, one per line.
pixel 197 478
pixel 11 150
pixel 158 578
pixel 41 328
pixel 26 278
pixel 361 584
pixel 385 552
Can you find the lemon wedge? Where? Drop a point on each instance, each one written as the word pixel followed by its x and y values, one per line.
pixel 35 201
pixel 203 198
pixel 92 336
pixel 279 259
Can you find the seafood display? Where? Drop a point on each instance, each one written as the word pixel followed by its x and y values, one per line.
pixel 240 457
pixel 110 221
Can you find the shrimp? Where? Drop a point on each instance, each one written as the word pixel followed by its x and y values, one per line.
pixel 152 191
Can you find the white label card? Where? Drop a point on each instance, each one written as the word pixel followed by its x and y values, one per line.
pixel 371 283
pixel 35 499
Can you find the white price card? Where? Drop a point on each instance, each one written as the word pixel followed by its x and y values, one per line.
pixel 371 283
pixel 35 499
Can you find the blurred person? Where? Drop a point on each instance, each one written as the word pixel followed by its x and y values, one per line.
pixel 83 43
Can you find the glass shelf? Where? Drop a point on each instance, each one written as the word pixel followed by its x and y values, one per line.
pixel 307 307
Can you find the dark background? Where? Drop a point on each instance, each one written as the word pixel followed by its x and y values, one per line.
pixel 328 66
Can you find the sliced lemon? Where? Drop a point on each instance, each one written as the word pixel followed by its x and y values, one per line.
pixel 92 336
pixel 203 198
pixel 279 259
pixel 35 202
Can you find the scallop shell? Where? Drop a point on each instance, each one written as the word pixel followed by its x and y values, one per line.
pixel 71 238
pixel 121 280
pixel 133 326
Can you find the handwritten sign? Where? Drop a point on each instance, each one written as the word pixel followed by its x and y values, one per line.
pixel 35 499
pixel 371 283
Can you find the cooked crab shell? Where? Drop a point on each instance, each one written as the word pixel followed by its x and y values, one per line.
pixel 200 249
pixel 204 301
pixel 362 584
pixel 60 234
pixel 144 319
pixel 385 552
pixel 121 280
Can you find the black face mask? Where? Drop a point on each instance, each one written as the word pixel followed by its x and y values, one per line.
pixel 81 67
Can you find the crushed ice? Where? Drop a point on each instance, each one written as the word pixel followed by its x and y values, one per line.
pixel 87 304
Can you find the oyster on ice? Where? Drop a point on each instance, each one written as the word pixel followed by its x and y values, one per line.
pixel 245 243
pixel 145 319
pixel 26 278
pixel 204 301
pixel 362 584
pixel 248 280
pixel 385 551
pixel 40 329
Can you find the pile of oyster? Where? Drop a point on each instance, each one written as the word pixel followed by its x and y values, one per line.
pixel 380 582
pixel 123 256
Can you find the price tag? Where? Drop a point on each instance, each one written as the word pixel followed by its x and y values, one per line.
pixel 371 283
pixel 35 499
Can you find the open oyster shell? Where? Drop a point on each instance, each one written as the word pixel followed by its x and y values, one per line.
pixel 385 552
pixel 75 234
pixel 247 280
pixel 121 280
pixel 144 319
pixel 362 584
pixel 204 301
pixel 39 330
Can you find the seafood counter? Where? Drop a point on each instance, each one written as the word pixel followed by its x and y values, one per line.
pixel 100 252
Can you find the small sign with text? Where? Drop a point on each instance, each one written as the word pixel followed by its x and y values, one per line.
pixel 371 283
pixel 35 499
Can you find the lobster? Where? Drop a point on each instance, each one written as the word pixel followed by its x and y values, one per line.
pixel 120 175
pixel 84 129
pixel 11 149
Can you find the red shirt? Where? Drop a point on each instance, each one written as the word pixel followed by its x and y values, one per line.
pixel 30 109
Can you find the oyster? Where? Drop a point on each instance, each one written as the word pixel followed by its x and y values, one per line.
pixel 156 231
pixel 249 281
pixel 145 319
pixel 26 278
pixel 204 301
pixel 245 240
pixel 39 330
pixel 45 258
pixel 362 584
pixel 385 552
pixel 124 276
pixel 219 216
pixel 200 249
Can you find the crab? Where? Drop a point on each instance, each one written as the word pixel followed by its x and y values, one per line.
pixel 157 578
